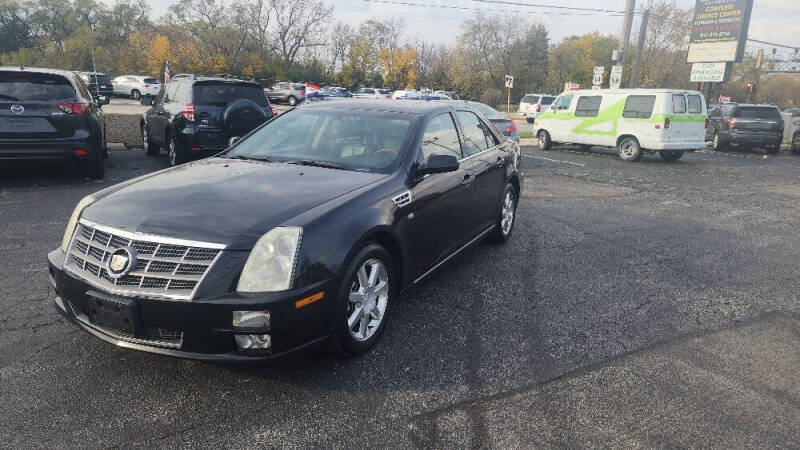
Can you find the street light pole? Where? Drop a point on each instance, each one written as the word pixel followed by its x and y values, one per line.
pixel 640 49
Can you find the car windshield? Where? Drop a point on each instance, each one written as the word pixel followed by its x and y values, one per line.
pixel 220 94
pixel 357 140
pixel 23 87
pixel 487 110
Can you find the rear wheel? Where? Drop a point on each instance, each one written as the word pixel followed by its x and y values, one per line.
pixel 716 143
pixel 291 100
pixel 363 301
pixel 544 140
pixel 670 156
pixel 796 143
pixel 136 95
pixel 96 167
pixel 773 150
pixel 629 149
pixel 505 218
pixel 176 157
pixel 150 148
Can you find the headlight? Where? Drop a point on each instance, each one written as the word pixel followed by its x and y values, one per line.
pixel 270 266
pixel 73 221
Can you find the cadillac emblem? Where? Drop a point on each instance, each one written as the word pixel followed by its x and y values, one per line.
pixel 120 262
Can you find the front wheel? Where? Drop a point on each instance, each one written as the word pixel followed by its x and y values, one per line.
pixel 716 143
pixel 291 100
pixel 363 301
pixel 136 95
pixel 545 143
pixel 670 156
pixel 505 218
pixel 150 148
pixel 629 149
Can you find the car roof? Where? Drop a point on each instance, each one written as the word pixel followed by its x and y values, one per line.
pixel 638 91
pixel 760 105
pixel 398 106
pixel 36 70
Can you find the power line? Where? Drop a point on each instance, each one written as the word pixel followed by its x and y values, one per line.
pixel 467 8
pixel 573 8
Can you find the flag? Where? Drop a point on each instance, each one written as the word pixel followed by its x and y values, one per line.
pixel 166 72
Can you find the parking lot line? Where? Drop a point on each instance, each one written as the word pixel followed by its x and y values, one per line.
pixel 555 160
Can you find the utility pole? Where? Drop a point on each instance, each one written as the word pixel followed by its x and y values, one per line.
pixel 625 38
pixel 640 49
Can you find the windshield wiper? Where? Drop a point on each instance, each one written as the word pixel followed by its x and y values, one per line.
pixel 327 164
pixel 248 158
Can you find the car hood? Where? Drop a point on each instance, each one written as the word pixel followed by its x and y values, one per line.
pixel 220 200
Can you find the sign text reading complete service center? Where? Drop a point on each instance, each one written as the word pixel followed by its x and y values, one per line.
pixel 719 30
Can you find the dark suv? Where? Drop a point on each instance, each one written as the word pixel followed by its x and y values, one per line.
pixel 49 114
pixel 196 116
pixel 98 83
pixel 746 125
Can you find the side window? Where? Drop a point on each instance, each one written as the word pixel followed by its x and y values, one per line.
pixel 695 104
pixel 474 133
pixel 678 104
pixel 82 89
pixel 441 137
pixel 639 106
pixel 588 106
pixel 563 102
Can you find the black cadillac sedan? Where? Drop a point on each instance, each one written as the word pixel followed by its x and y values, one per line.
pixel 303 231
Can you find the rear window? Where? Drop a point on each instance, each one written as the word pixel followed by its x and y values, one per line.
pixel 530 99
pixel 548 100
pixel 22 87
pixel 150 81
pixel 222 94
pixel 384 91
pixel 300 87
pixel 639 106
pixel 678 104
pixel 768 113
pixel 98 79
pixel 695 104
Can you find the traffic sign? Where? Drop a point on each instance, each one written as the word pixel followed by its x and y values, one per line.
pixel 616 77
pixel 509 81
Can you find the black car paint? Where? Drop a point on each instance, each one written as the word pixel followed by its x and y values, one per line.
pixel 748 132
pixel 61 134
pixel 234 202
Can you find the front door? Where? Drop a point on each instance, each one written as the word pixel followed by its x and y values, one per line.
pixel 561 121
pixel 443 202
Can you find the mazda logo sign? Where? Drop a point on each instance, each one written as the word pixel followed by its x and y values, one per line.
pixel 17 109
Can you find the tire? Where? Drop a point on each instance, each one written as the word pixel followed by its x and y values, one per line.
pixel 506 216
pixel 629 149
pixel 670 156
pixel 135 94
pixel 150 148
pixel 176 157
pixel 585 147
pixel 291 100
pixel 796 143
pixel 716 142
pixel 545 143
pixel 350 331
pixel 773 150
pixel 96 167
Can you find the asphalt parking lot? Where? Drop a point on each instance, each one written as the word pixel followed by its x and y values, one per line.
pixel 649 304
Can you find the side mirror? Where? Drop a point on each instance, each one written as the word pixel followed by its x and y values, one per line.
pixel 103 100
pixel 146 100
pixel 439 164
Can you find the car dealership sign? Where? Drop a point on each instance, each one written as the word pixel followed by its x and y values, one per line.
pixel 719 30
pixel 708 72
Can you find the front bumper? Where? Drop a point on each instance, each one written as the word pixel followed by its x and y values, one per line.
pixel 199 329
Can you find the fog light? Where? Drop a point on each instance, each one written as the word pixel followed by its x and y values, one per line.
pixel 251 319
pixel 253 341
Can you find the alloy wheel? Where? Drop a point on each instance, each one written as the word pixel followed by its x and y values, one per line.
pixel 173 157
pixel 145 142
pixel 716 141
pixel 627 149
pixel 507 217
pixel 367 301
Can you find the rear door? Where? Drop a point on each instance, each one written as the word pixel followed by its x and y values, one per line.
pixel 695 129
pixel 481 161
pixel 29 106
pixel 758 121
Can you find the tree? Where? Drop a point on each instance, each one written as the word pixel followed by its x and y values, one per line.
pixel 298 26
pixel 159 54
pixel 575 57
pixel 398 67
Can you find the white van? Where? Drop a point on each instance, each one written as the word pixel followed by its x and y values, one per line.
pixel 532 104
pixel 633 121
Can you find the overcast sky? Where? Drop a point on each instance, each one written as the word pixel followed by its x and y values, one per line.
pixel 773 20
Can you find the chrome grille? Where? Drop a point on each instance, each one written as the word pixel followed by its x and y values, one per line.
pixel 165 267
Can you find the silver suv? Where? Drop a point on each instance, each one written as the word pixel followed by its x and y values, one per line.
pixel 291 93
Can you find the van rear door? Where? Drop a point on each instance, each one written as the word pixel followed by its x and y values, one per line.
pixel 687 124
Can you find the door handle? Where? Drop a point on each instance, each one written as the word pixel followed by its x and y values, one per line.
pixel 468 178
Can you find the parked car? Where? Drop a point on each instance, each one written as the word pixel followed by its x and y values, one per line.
pixel 794 112
pixel 746 125
pixel 373 93
pixel 508 127
pixel 402 94
pixel 305 231
pixel 136 86
pixel 796 142
pixel 449 94
pixel 50 115
pixel 196 116
pixel 532 104
pixel 291 93
pixel 97 83
pixel 633 121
